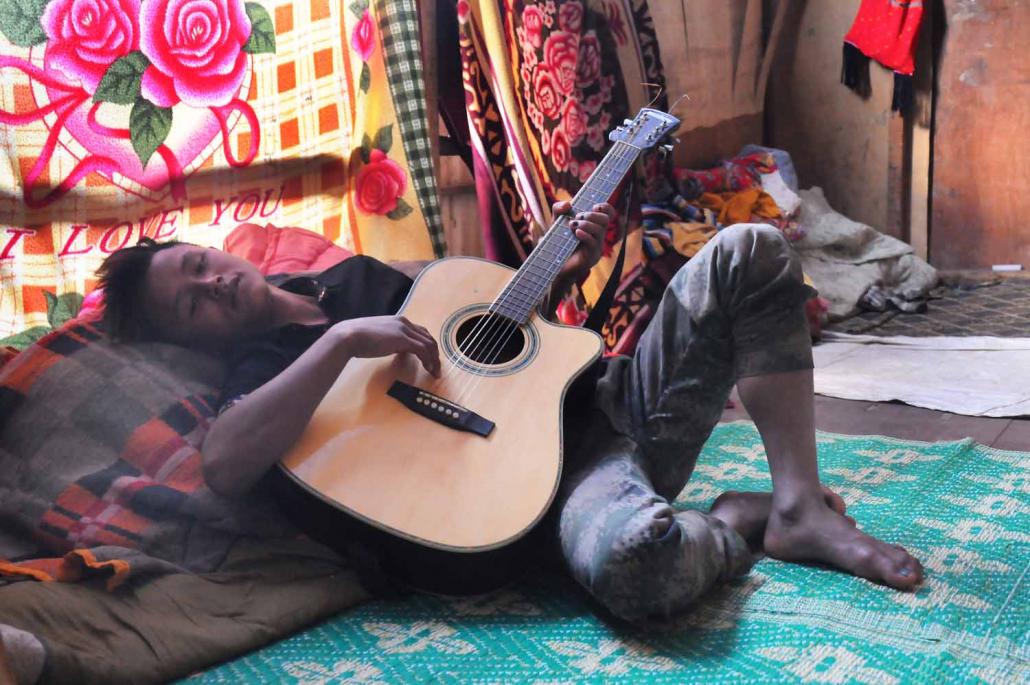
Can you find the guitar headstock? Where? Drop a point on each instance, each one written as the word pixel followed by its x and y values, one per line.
pixel 648 129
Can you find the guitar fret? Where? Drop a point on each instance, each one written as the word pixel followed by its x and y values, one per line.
pixel 528 287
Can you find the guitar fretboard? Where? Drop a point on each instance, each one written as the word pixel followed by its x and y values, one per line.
pixel 533 280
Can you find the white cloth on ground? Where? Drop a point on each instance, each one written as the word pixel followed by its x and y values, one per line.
pixel 976 376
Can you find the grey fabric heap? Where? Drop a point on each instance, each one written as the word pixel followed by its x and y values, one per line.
pixel 856 267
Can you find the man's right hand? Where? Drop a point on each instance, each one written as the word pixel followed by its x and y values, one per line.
pixel 379 336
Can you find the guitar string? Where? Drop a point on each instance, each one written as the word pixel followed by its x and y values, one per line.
pixel 506 324
pixel 483 327
pixel 618 156
pixel 621 157
pixel 493 322
pixel 507 332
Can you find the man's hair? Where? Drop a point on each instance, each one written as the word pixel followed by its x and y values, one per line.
pixel 122 276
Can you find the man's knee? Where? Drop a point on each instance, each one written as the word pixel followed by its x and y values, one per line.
pixel 646 569
pixel 758 246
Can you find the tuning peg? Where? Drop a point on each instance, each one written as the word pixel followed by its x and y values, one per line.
pixel 666 148
pixel 627 122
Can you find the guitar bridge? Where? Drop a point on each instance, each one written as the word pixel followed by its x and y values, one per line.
pixel 438 409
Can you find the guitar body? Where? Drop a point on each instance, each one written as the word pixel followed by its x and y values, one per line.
pixel 367 456
pixel 447 477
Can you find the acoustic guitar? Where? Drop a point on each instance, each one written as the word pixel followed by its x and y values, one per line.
pixel 459 467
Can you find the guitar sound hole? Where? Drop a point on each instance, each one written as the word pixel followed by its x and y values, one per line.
pixel 490 339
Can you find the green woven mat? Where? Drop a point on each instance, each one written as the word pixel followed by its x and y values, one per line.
pixel 962 508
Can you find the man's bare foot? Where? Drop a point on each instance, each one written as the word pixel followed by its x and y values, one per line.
pixel 748 512
pixel 814 532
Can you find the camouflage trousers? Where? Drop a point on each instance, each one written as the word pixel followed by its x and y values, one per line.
pixel 736 309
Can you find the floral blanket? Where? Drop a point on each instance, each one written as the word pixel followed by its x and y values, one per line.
pixel 179 119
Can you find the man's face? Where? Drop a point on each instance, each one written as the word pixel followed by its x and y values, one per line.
pixel 205 298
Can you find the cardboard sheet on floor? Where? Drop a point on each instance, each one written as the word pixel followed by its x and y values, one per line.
pixel 976 376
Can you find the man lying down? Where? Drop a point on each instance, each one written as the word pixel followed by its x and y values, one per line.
pixel 732 315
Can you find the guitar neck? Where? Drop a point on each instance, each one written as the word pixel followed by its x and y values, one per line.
pixel 534 279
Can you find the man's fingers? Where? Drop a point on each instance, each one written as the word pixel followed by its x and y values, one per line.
pixel 561 207
pixel 597 218
pixel 605 209
pixel 427 353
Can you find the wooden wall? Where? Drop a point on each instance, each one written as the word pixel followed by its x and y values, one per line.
pixel 837 140
pixel 981 173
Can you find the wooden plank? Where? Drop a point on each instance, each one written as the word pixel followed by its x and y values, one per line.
pixel 1015 437
pixel 980 174
pixel 897 176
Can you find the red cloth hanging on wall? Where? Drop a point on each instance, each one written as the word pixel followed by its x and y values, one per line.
pixel 886 31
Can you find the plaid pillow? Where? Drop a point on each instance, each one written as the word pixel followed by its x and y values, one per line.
pixel 100 447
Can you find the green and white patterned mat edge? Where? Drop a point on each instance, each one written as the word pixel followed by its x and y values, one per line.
pixel 962 508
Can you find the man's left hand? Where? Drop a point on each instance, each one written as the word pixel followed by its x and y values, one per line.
pixel 590 227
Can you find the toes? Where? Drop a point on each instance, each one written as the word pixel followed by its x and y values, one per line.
pixel 834 501
pixel 902 570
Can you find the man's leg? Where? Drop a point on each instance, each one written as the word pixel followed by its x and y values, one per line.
pixel 801 526
pixel 629 548
pixel 735 312
pixel 620 537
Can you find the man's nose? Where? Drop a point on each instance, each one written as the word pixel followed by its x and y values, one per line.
pixel 215 286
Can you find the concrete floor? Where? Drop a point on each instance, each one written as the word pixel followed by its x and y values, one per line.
pixel 903 421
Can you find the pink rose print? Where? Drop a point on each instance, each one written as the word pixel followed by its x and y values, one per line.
pixel 530 59
pixel 574 121
pixel 85 36
pixel 380 184
pixel 545 142
pixel 463 10
pixel 560 152
pixel 533 22
pixel 593 104
pixel 589 67
pixel 196 50
pixel 595 138
pixel 570 16
pixel 585 169
pixel 149 55
pixel 526 74
pixel 561 51
pixel 535 116
pixel 547 95
pixel 363 38
pixel 574 168
pixel 92 305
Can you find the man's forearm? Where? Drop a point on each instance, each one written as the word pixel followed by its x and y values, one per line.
pixel 251 436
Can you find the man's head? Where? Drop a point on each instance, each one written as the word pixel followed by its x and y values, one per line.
pixel 183 293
